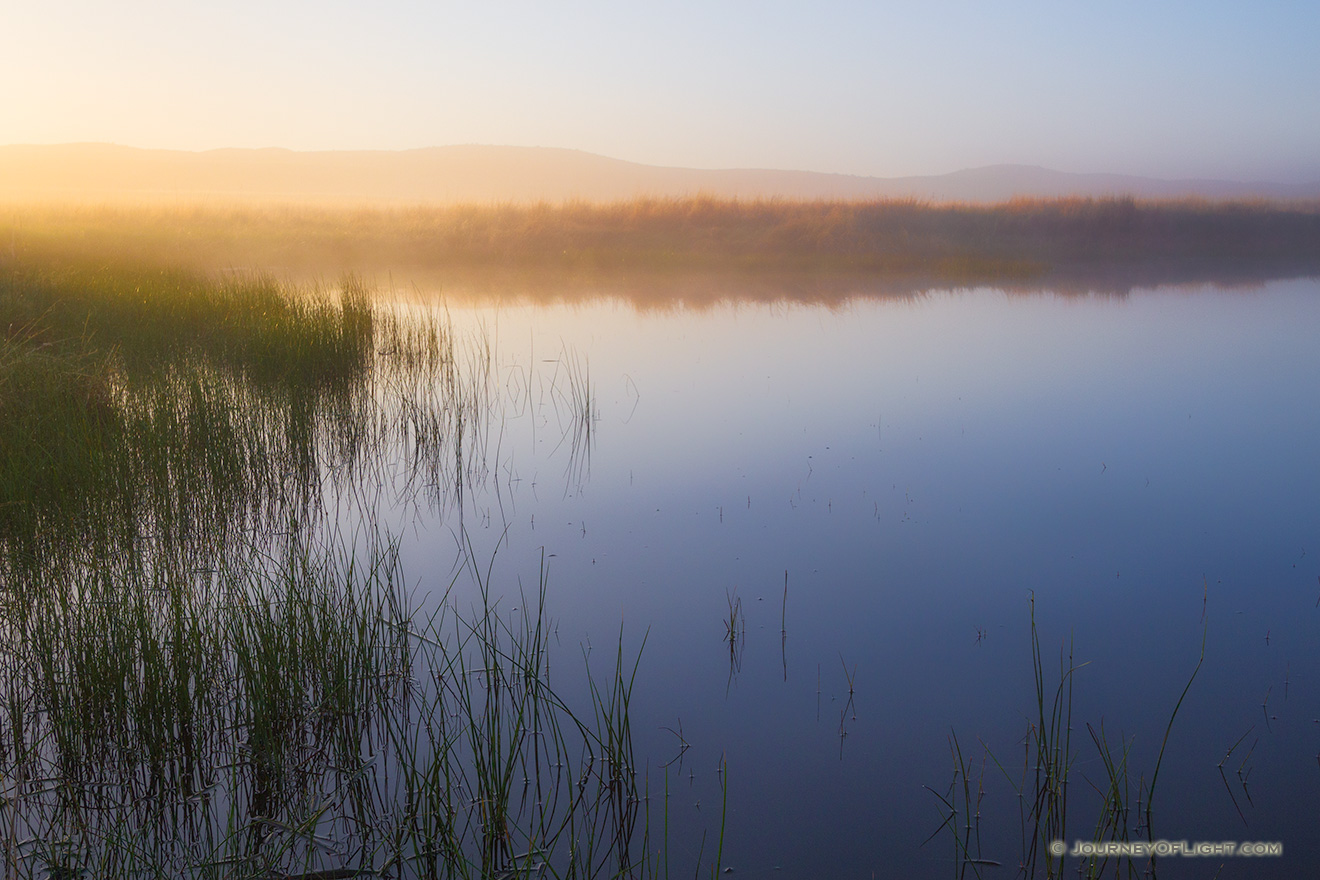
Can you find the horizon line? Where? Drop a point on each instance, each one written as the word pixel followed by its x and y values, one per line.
pixel 725 169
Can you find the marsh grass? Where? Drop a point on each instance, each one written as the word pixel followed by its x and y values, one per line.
pixel 175 410
pixel 577 413
pixel 169 406
pixel 1043 782
pixel 251 325
pixel 1057 242
pixel 186 718
pixel 735 633
pixel 203 675
pixel 499 775
pixel 289 713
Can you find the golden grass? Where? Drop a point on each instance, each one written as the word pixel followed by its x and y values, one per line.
pixel 1017 242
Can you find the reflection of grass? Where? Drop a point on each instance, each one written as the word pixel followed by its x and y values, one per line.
pixel 167 405
pixel 166 408
pixel 199 674
pixel 288 712
pixel 1042 787
pixel 1013 242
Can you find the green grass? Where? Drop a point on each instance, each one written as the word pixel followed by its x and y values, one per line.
pixel 171 408
pixel 253 326
pixel 1043 787
pixel 290 712
pixel 203 676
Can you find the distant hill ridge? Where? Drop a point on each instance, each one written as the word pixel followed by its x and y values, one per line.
pixel 484 174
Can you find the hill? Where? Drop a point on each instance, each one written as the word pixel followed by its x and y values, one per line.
pixel 101 173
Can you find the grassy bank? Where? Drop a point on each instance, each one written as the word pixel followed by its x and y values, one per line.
pixel 176 405
pixel 1019 242
pixel 203 675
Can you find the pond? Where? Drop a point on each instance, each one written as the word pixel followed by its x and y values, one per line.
pixel 880 496
pixel 683 577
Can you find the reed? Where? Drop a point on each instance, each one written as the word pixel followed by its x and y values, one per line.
pixel 121 432
pixel 1042 785
pixel 291 713
pixel 1015 242
pixel 203 673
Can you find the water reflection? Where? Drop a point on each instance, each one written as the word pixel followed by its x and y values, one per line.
pixel 212 662
pixel 920 467
pixel 830 523
pixel 701 291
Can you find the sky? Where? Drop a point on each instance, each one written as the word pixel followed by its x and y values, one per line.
pixel 1167 89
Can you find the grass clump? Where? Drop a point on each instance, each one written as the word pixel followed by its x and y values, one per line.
pixel 251 326
pixel 292 713
pixel 201 673
pixel 1042 788
pixel 171 409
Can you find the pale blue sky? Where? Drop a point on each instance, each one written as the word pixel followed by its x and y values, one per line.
pixel 1166 89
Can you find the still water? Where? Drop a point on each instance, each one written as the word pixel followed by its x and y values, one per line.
pixel 881 487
